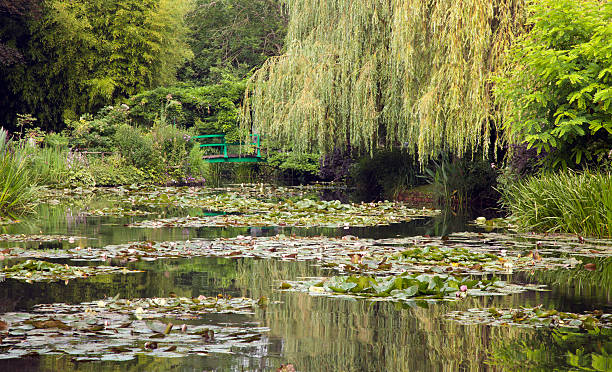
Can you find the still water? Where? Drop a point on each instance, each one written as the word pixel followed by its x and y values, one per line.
pixel 311 333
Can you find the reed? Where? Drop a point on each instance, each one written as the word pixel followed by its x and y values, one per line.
pixel 16 181
pixel 578 203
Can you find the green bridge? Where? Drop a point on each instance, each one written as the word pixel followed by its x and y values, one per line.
pixel 221 147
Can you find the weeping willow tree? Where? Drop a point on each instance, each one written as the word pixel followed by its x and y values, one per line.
pixel 371 73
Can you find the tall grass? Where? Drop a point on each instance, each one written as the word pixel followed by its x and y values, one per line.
pixel 17 185
pixel 48 164
pixel 579 203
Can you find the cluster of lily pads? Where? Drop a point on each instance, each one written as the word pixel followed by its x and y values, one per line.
pixel 459 255
pixel 304 213
pixel 532 318
pixel 406 286
pixel 40 271
pixel 37 238
pixel 117 330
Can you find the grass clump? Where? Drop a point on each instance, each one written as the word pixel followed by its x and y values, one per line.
pixel 16 181
pixel 579 203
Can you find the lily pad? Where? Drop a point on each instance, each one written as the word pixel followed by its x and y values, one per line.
pixel 119 329
pixel 532 318
pixel 405 287
pixel 43 271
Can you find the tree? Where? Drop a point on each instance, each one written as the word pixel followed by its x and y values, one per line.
pixel 81 55
pixel 232 37
pixel 376 73
pixel 556 93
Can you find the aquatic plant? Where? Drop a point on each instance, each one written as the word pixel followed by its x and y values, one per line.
pixel 17 184
pixel 37 271
pixel 579 203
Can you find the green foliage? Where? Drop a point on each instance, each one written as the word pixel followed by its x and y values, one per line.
pixel 212 109
pixel 461 184
pixel 97 133
pixel 113 170
pixel 134 146
pixel 49 164
pixel 384 175
pixel 232 36
pixel 370 73
pixel 295 166
pixel 556 93
pixel 81 55
pixel 56 140
pixel 578 203
pixel 17 184
pixel 198 168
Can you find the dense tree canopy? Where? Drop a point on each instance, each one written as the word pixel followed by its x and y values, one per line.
pixel 556 93
pixel 80 55
pixel 232 36
pixel 373 72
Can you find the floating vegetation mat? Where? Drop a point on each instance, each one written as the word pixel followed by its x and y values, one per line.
pixel 407 287
pixel 304 213
pixel 532 318
pixel 256 205
pixel 120 329
pixel 43 271
pixel 545 243
pixel 459 254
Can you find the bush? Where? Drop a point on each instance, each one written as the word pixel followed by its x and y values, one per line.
pixel 557 92
pixel 56 140
pixel 113 170
pixel 134 146
pixel 98 134
pixel 295 168
pixel 197 167
pixel 579 203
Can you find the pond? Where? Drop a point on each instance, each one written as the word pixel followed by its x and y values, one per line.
pixel 212 293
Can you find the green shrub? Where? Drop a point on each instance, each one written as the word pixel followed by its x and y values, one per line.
pixel 557 92
pixel 134 146
pixel 294 167
pixel 113 170
pixel 17 185
pixel 197 167
pixel 579 203
pixel 98 133
pixel 56 140
pixel 171 147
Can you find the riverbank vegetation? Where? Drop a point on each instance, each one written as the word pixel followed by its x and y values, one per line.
pixel 379 97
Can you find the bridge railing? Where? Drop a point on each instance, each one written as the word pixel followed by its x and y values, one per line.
pixel 223 145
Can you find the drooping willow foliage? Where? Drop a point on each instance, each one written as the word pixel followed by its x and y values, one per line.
pixel 371 73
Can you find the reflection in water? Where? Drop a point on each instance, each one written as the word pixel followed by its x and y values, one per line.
pixel 556 350
pixel 313 333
